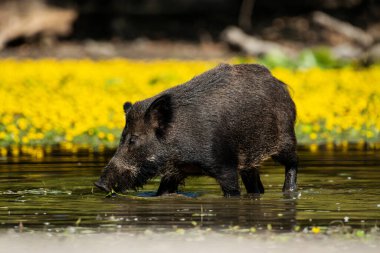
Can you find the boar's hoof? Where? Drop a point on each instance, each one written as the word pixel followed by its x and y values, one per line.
pixel 232 194
pixel 290 192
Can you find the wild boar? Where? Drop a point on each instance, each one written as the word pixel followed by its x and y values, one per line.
pixel 222 123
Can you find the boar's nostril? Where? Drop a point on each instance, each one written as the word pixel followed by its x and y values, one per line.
pixel 101 186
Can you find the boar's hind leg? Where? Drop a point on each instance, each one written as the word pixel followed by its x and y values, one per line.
pixel 251 180
pixel 169 184
pixel 289 159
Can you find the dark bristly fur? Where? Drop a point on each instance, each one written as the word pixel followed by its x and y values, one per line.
pixel 222 123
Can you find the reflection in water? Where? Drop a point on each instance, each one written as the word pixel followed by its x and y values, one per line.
pixel 56 193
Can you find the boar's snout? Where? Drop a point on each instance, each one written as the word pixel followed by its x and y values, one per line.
pixel 117 176
pixel 101 185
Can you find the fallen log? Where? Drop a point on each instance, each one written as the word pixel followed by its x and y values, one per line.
pixel 24 19
pixel 251 45
pixel 349 31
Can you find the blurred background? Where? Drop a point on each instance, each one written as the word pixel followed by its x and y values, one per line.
pixel 89 57
pixel 350 29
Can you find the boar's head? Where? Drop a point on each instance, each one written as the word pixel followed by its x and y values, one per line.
pixel 142 150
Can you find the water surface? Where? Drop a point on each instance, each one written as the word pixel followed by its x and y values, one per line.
pixel 56 194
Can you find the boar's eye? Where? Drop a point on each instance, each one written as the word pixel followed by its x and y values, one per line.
pixel 133 140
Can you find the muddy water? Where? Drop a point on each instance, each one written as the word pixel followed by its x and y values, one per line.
pixel 56 194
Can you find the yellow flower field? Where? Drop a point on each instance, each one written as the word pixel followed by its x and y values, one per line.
pixel 79 102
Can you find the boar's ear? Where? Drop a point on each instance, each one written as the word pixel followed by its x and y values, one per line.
pixel 159 114
pixel 127 107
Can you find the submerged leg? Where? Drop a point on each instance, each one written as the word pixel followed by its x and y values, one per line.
pixel 251 180
pixel 169 184
pixel 229 182
pixel 289 159
pixel 290 183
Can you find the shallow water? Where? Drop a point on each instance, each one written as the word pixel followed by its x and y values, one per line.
pixel 56 194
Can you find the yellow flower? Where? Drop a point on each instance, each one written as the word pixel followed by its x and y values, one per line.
pixel 71 98
pixel 22 123
pixel 110 137
pixel 316 230
pixel 101 135
pixel 39 136
pixel 313 136
pixel 3 152
pixel 24 139
pixel 7 119
pixel 313 147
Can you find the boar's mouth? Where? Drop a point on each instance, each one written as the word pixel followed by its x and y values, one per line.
pixel 129 179
pixel 102 186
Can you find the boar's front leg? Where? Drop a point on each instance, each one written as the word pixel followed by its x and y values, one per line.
pixel 251 180
pixel 169 184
